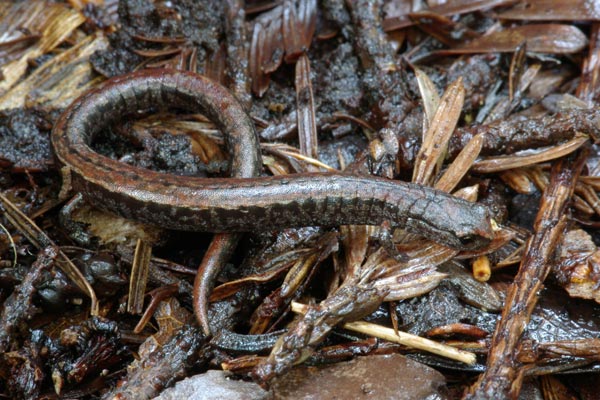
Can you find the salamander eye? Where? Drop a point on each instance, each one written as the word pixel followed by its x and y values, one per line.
pixel 467 239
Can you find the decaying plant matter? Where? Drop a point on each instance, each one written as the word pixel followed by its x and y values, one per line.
pixel 490 101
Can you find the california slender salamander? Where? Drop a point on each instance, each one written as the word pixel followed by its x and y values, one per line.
pixel 234 204
pixel 230 204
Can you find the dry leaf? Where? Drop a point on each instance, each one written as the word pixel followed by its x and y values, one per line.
pixel 436 140
pixel 539 38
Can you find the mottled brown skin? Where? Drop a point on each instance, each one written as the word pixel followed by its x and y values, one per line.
pixel 509 136
pixel 177 89
pixel 219 251
pixel 234 204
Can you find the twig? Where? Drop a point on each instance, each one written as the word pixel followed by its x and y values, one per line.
pixel 461 164
pixel 503 163
pixel 436 139
pixel 305 103
pixel 163 366
pixel 509 136
pixel 350 302
pixel 237 58
pixel 387 85
pixel 139 277
pixel 19 306
pixel 502 378
pixel 402 338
